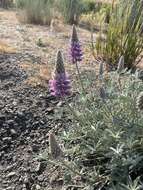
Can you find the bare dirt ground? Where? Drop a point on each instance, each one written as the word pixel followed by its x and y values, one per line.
pixel 26 108
pixel 24 39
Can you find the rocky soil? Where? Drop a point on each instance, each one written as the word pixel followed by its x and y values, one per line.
pixel 26 111
pixel 26 116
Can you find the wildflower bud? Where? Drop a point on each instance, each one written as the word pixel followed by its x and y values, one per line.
pixel 102 93
pixel 59 67
pixel 54 148
pixel 121 65
pixel 74 37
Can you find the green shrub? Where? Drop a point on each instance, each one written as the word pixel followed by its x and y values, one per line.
pixel 123 35
pixel 71 10
pixel 88 6
pixel 6 3
pixel 20 3
pixel 103 145
pixel 37 11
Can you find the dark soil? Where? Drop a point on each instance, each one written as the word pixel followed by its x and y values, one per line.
pixel 26 117
pixel 27 111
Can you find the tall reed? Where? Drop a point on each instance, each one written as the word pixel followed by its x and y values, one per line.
pixel 124 36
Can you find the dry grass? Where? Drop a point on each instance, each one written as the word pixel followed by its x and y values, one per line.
pixel 39 75
pixel 5 48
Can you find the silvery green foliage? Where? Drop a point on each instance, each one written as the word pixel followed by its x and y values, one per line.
pixel 106 143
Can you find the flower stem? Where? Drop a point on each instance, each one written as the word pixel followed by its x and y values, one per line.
pixel 79 76
pixel 73 112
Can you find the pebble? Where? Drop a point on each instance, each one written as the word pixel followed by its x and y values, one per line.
pixel 6 139
pixel 38 187
pixel 9 168
pixel 41 178
pixel 11 174
pixel 35 148
pixel 13 132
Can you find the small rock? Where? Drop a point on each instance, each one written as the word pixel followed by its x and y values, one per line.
pixel 35 148
pixel 26 180
pixel 38 187
pixel 50 110
pixel 60 104
pixel 11 174
pixel 41 178
pixel 2 117
pixel 10 122
pixel 9 167
pixel 40 167
pixel 13 132
pixel 7 139
pixel 10 188
pixel 14 103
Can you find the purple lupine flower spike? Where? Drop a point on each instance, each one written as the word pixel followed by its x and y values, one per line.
pixel 60 83
pixel 75 52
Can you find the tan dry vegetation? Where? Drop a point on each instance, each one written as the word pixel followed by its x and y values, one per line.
pixel 5 48
pixel 57 25
pixel 39 74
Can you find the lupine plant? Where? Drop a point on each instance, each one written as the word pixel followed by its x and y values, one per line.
pixel 60 83
pixel 103 146
pixel 76 53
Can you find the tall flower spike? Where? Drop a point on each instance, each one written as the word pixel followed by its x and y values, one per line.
pixel 59 67
pixel 74 34
pixel 60 83
pixel 121 65
pixel 139 102
pixel 102 94
pixel 75 51
pixel 54 148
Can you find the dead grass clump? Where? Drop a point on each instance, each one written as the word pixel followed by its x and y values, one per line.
pixel 39 75
pixel 35 12
pixel 5 48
